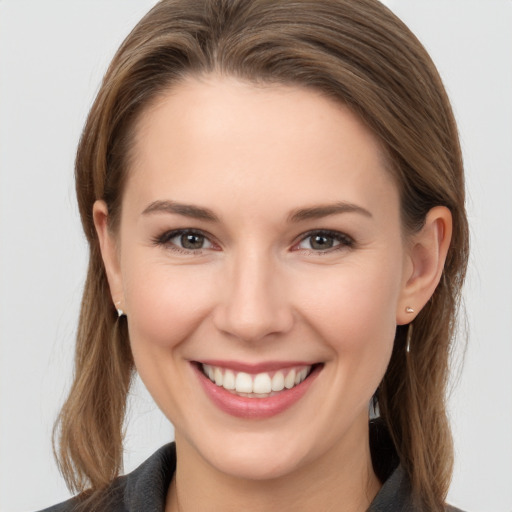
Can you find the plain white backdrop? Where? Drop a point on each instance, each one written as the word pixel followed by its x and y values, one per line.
pixel 53 54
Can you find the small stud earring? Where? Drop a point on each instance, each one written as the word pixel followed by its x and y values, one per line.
pixel 409 310
pixel 120 312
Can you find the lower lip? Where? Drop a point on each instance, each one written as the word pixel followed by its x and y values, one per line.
pixel 255 408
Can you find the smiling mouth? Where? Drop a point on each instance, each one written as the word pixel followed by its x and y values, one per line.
pixel 260 385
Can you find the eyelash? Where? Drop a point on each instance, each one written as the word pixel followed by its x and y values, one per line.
pixel 165 240
pixel 345 241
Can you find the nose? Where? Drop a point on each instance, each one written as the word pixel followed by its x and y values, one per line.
pixel 253 302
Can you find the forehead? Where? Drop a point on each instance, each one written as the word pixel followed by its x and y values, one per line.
pixel 266 145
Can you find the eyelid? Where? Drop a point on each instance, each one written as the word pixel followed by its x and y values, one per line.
pixel 164 240
pixel 345 241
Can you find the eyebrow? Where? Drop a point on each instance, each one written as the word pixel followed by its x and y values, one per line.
pixel 187 210
pixel 325 210
pixel 298 215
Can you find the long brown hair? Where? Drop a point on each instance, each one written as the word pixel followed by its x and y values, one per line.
pixel 356 52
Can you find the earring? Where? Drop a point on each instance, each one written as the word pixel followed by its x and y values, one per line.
pixel 409 311
pixel 409 337
pixel 120 312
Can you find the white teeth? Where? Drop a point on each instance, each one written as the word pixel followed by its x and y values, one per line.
pixel 278 381
pixel 209 371
pixel 243 383
pixel 255 386
pixel 218 376
pixel 262 383
pixel 229 380
pixel 301 376
pixel 289 381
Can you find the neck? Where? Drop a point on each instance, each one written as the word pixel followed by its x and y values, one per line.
pixel 341 480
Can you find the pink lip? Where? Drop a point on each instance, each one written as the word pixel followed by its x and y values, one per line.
pixel 255 408
pixel 255 368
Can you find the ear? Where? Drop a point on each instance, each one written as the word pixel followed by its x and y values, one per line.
pixel 425 262
pixel 109 252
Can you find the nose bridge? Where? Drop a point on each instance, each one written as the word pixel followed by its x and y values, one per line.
pixel 254 304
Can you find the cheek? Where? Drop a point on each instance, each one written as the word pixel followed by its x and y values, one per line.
pixel 353 310
pixel 165 303
pixel 354 297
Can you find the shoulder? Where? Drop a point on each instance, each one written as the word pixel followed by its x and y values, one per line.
pixel 144 489
pixel 66 506
pixel 396 492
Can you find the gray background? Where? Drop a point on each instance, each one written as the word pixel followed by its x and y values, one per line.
pixel 52 56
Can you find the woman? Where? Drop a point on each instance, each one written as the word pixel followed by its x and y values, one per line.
pixel 273 197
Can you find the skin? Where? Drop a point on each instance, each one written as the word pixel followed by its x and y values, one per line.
pixel 258 291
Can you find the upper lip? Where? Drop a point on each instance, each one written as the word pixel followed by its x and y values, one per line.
pixel 254 368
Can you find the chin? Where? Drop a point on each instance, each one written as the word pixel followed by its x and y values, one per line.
pixel 254 456
pixel 258 464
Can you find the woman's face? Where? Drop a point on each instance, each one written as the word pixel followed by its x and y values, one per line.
pixel 260 244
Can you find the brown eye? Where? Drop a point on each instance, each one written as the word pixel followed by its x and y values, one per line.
pixel 192 241
pixel 323 241
pixel 183 240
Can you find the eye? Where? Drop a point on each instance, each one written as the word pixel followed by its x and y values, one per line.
pixel 324 241
pixel 184 240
